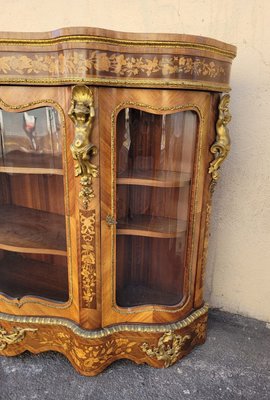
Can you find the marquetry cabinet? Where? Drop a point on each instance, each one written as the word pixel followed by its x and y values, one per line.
pixel 110 149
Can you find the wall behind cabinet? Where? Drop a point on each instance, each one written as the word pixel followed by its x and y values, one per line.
pixel 239 256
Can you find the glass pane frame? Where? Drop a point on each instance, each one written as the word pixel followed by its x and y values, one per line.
pixel 159 102
pixel 153 204
pixel 26 301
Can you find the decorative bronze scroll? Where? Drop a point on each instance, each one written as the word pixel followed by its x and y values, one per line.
pixel 16 336
pixel 222 145
pixel 82 114
pixel 168 348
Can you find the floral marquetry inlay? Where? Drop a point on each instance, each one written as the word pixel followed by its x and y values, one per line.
pixel 88 258
pixel 76 62
pixel 91 356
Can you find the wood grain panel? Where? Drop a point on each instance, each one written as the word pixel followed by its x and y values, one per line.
pixel 22 276
pixel 28 230
pixel 41 192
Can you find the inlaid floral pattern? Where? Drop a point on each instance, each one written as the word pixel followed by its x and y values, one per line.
pixel 88 258
pixel 201 328
pixel 115 63
pixel 87 356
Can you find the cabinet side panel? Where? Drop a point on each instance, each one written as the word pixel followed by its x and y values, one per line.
pixel 206 206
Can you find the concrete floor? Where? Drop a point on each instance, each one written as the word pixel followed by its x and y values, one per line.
pixel 233 364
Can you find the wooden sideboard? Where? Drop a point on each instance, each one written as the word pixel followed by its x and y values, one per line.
pixel 111 145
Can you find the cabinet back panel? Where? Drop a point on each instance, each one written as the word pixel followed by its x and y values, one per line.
pixel 42 192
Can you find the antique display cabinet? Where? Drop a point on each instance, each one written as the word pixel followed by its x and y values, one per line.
pixel 110 148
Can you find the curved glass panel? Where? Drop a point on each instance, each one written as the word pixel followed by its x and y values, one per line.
pixel 155 155
pixel 33 252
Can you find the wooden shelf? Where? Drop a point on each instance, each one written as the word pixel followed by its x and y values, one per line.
pixel 18 162
pixel 28 230
pixel 25 277
pixel 151 226
pixel 157 178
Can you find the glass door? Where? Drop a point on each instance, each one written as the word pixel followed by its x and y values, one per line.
pixel 152 178
pixel 155 156
pixel 33 248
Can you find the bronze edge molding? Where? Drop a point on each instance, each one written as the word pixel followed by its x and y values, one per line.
pixel 104 332
pixel 120 42
pixel 146 83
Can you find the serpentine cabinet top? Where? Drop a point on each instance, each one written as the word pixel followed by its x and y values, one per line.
pixel 103 57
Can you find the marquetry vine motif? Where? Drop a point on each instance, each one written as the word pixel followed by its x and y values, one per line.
pixel 168 349
pixel 200 329
pixel 17 335
pixel 88 258
pixel 106 62
pixel 87 356
pixel 82 113
pixel 222 145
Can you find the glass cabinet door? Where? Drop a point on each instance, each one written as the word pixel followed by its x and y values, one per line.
pixel 33 249
pixel 154 170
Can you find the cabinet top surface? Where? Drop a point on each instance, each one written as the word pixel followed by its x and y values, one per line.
pixel 111 58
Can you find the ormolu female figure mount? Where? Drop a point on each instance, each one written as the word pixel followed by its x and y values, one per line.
pixel 82 114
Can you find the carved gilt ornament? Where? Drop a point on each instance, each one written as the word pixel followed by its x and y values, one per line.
pixel 168 348
pixel 13 337
pixel 222 145
pixel 82 113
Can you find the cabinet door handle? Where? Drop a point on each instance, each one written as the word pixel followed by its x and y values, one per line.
pixel 82 114
pixel 111 220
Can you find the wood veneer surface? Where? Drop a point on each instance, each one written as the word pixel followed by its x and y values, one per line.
pixel 32 231
pixel 22 276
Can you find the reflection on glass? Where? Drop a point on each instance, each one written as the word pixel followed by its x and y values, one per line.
pixel 33 250
pixel 31 138
pixel 154 170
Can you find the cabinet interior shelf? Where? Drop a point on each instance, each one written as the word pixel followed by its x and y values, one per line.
pixel 139 295
pixel 25 277
pixel 29 163
pixel 151 226
pixel 28 230
pixel 27 170
pixel 157 178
